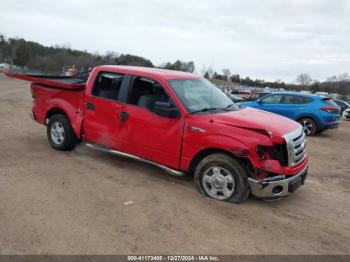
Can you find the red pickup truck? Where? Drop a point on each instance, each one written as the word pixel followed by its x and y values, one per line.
pixel 177 121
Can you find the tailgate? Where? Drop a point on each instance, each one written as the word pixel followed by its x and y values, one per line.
pixel 76 82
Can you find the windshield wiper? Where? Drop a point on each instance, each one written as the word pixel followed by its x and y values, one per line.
pixel 227 107
pixel 212 108
pixel 205 110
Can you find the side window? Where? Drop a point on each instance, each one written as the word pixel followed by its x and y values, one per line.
pixel 289 99
pixel 107 85
pixel 272 99
pixel 145 92
pixel 307 100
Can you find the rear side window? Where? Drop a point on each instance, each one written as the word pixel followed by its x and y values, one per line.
pixel 107 85
pixel 289 99
pixel 329 101
pixel 272 99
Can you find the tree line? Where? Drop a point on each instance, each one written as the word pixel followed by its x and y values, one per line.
pixel 55 59
pixel 51 60
pixel 336 84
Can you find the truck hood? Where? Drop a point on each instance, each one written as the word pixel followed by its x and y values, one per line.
pixel 254 119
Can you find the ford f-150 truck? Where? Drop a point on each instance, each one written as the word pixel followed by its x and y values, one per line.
pixel 177 121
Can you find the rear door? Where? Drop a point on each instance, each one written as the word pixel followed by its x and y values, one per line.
pixel 293 106
pixel 143 132
pixel 102 118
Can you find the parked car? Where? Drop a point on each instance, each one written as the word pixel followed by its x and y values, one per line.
pixel 342 104
pixel 243 94
pixel 346 114
pixel 255 96
pixel 177 121
pixel 315 113
pixel 234 98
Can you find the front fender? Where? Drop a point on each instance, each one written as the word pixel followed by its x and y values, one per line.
pixel 194 145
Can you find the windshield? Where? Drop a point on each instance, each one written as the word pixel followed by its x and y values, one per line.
pixel 199 95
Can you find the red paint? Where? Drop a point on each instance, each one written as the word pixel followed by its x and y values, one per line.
pixel 167 141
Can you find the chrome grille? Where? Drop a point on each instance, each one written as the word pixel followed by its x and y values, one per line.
pixel 296 146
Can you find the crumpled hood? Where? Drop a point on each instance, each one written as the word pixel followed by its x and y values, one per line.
pixel 251 118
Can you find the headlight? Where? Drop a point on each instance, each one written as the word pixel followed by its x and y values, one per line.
pixel 276 152
pixel 264 152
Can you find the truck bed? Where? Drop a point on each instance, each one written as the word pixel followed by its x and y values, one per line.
pixel 57 94
pixel 76 82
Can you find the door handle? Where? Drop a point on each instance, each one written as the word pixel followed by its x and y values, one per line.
pixel 90 106
pixel 124 115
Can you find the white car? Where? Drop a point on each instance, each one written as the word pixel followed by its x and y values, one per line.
pixel 346 114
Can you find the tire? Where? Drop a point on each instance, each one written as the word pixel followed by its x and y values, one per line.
pixel 222 177
pixel 60 133
pixel 310 127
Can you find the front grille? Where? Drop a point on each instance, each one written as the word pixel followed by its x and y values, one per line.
pixel 296 146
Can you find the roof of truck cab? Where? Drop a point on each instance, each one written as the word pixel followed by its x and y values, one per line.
pixel 148 71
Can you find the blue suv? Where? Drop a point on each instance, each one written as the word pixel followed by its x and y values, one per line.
pixel 315 113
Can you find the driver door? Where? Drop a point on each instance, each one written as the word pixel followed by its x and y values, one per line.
pixel 271 103
pixel 143 132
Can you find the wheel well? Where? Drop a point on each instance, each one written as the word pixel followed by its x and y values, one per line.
pixel 55 111
pixel 208 151
pixel 312 118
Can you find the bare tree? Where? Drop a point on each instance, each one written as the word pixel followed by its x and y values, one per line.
pixel 210 72
pixel 278 80
pixel 303 79
pixel 332 79
pixel 111 56
pixel 227 73
pixel 14 44
pixel 343 77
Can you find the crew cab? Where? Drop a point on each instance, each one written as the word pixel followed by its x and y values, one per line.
pixel 178 121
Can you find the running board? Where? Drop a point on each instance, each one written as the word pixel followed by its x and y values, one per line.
pixel 119 153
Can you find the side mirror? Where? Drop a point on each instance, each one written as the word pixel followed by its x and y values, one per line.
pixel 259 101
pixel 166 109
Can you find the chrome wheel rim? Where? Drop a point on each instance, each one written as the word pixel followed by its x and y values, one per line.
pixel 57 133
pixel 218 183
pixel 308 126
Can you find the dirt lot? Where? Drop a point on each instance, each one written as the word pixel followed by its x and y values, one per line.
pixel 73 203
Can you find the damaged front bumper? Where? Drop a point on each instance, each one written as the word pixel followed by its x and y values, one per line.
pixel 277 188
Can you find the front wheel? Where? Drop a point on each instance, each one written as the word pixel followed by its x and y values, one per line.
pixel 221 177
pixel 309 125
pixel 60 133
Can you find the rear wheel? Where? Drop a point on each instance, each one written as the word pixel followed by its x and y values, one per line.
pixel 309 125
pixel 221 177
pixel 60 133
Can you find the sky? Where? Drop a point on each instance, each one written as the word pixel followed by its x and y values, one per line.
pixel 264 39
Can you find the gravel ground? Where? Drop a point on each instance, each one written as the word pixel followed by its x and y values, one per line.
pixel 74 203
